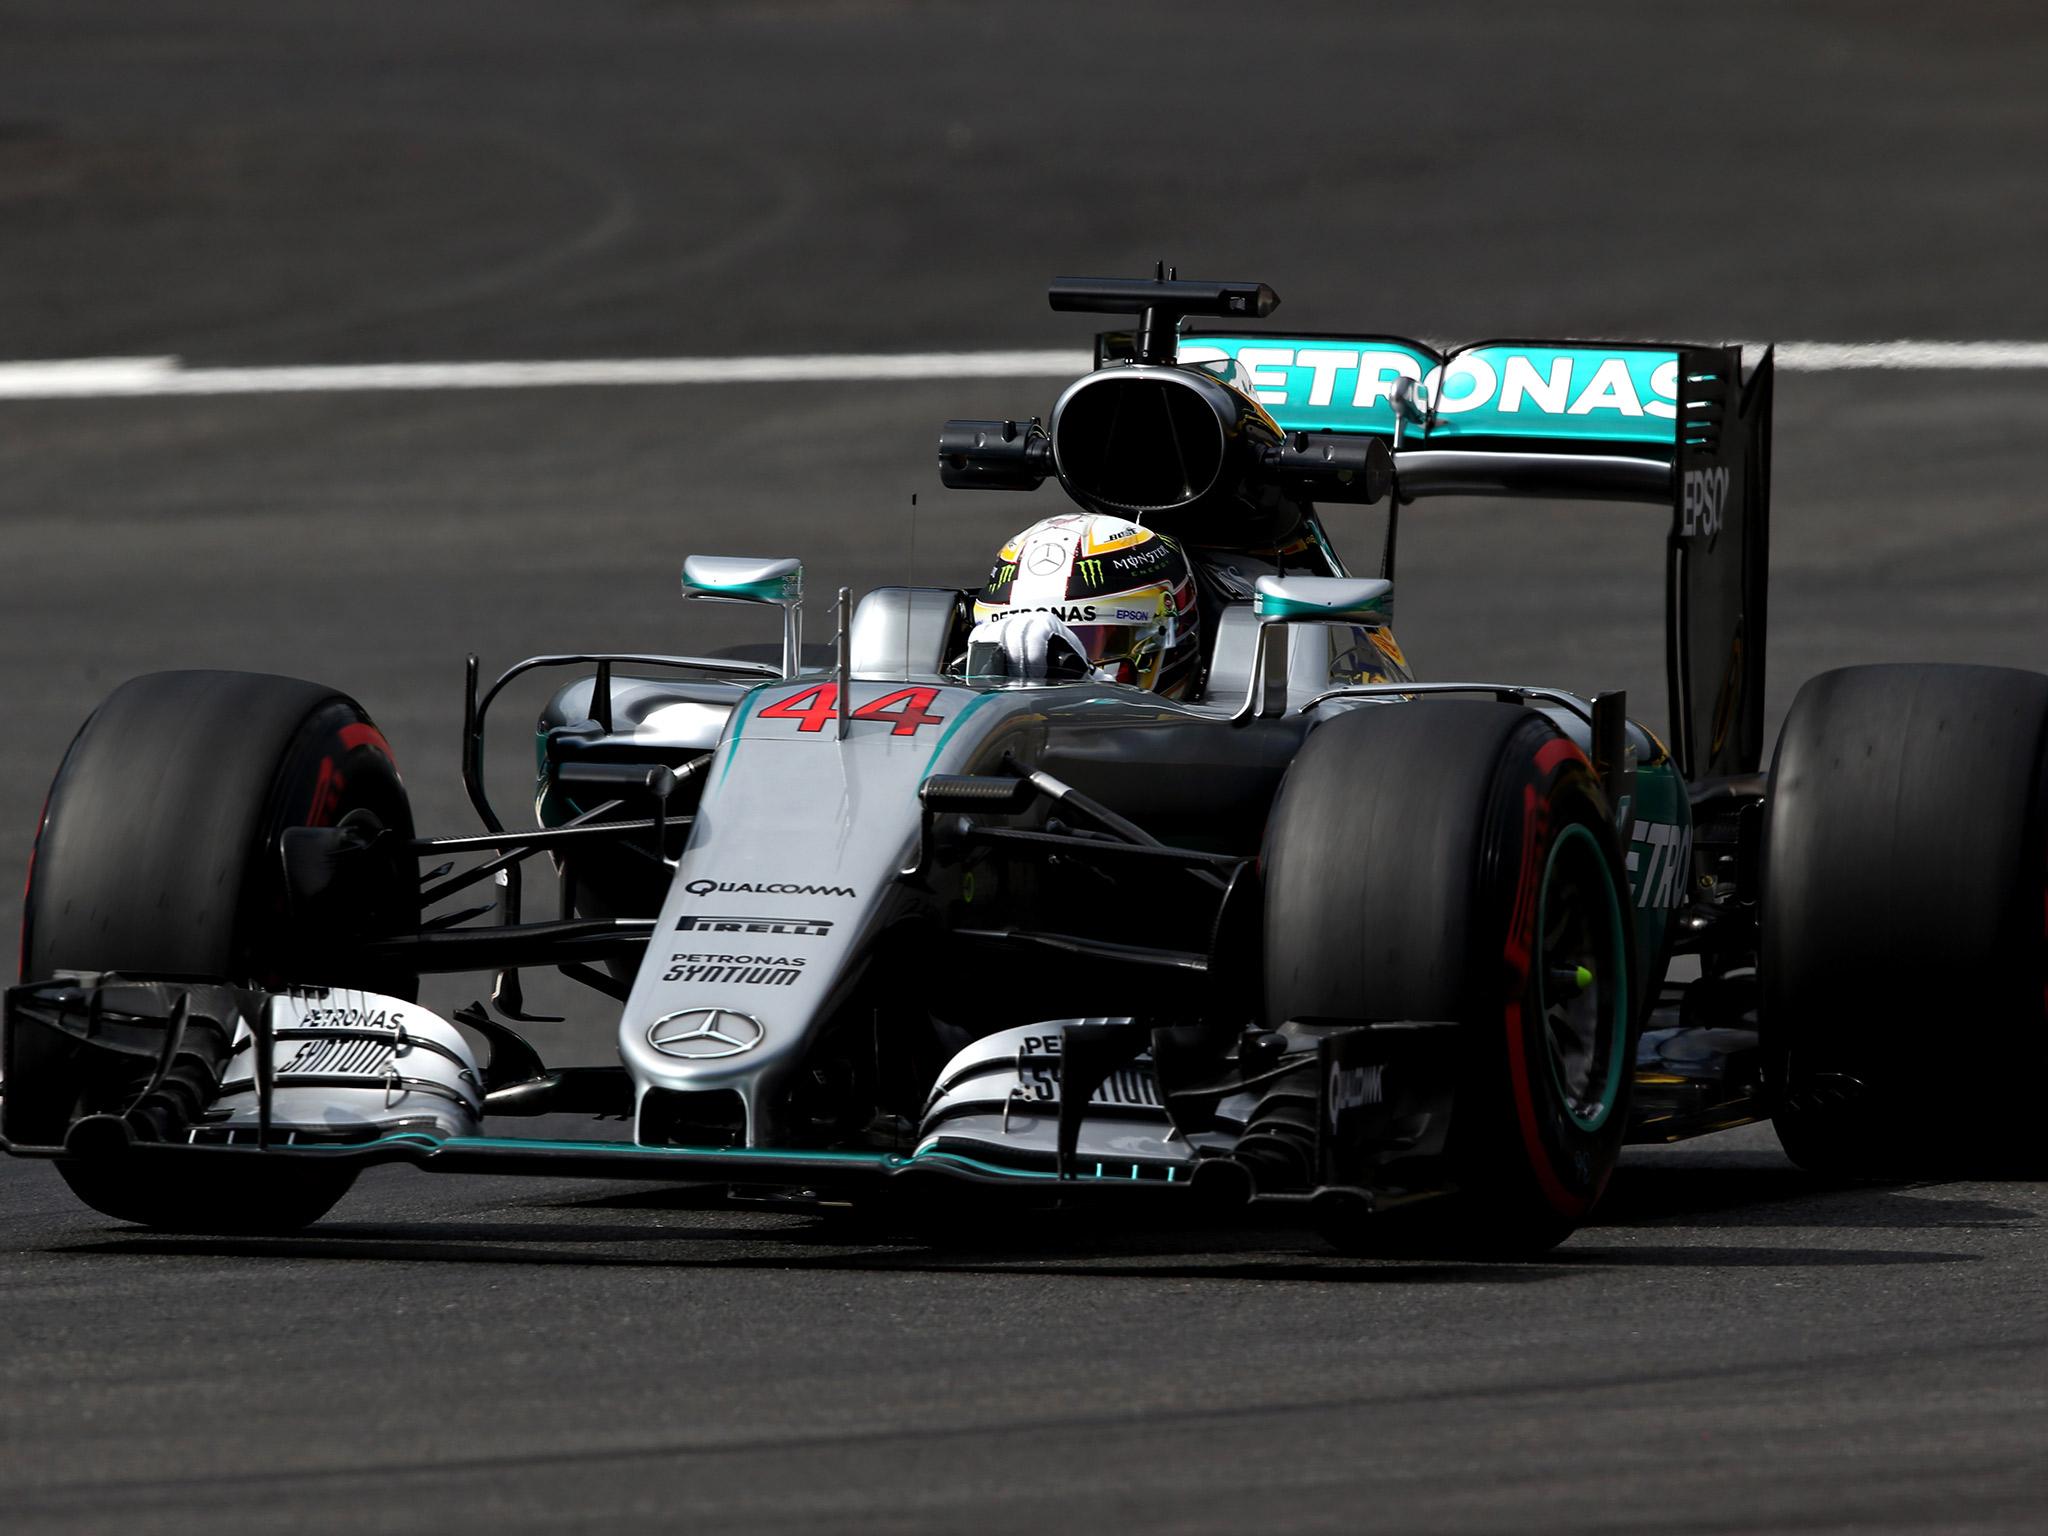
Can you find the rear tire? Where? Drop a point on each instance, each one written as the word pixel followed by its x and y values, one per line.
pixel 1409 855
pixel 158 855
pixel 1905 890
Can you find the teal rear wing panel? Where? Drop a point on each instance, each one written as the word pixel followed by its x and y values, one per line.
pixel 1667 425
pixel 1554 392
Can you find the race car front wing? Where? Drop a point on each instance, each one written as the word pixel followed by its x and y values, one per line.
pixel 107 1067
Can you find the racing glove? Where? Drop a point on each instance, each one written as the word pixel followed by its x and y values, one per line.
pixel 1026 645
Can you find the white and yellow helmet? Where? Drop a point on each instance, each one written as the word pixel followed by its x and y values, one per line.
pixel 1126 592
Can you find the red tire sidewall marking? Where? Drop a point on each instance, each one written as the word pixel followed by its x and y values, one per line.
pixel 1519 953
pixel 1556 751
pixel 330 784
pixel 327 791
pixel 364 734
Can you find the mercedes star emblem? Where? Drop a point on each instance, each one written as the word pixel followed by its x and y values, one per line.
pixel 703 1034
pixel 1043 558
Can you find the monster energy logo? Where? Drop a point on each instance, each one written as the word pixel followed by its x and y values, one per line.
pixel 1091 571
pixel 1002 574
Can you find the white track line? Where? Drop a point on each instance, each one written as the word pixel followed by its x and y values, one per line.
pixel 91 378
pixel 1832 356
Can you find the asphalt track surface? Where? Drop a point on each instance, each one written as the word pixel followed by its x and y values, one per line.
pixel 1731 1345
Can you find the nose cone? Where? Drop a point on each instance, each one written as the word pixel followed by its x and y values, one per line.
pixel 791 869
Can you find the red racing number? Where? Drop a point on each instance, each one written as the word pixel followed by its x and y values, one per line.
pixel 813 707
pixel 908 710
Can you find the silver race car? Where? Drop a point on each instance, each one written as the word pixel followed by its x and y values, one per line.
pixel 1145 871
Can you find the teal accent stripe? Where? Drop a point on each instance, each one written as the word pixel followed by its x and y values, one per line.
pixel 947 734
pixel 885 1161
pixel 1616 981
pixel 739 723
pixel 937 1156
pixel 615 1148
pixel 775 590
pixel 1267 606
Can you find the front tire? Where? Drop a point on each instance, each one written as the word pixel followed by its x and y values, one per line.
pixel 234 1195
pixel 1452 861
pixel 158 855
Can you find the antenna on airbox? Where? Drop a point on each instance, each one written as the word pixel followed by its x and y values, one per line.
pixel 909 582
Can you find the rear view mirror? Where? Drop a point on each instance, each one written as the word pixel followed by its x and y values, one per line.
pixel 1324 599
pixel 1280 601
pixel 736 579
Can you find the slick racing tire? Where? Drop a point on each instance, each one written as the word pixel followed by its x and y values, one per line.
pixel 1455 862
pixel 247 1199
pixel 1903 954
pixel 158 855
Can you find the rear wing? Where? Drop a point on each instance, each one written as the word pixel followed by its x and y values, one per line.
pixel 1674 426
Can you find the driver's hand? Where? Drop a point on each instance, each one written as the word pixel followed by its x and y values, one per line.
pixel 1026 645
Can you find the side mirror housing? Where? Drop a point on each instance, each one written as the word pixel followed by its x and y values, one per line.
pixel 1325 600
pixel 737 579
pixel 1280 601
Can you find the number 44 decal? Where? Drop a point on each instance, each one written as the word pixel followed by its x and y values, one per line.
pixel 908 710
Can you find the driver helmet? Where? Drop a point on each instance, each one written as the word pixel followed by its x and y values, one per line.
pixel 1126 593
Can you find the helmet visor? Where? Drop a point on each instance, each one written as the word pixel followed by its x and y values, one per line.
pixel 1108 642
pixel 1128 653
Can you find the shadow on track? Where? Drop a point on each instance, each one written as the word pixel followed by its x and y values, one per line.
pixel 460 1246
pixel 1773 1194
pixel 699 1228
pixel 1095 1245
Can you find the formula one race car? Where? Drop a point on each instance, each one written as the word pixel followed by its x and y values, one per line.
pixel 1298 930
